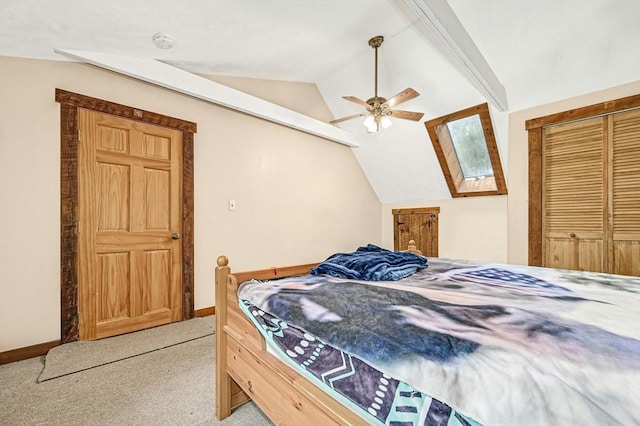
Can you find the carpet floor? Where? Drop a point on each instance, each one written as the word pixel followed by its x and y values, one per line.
pixel 174 385
pixel 78 356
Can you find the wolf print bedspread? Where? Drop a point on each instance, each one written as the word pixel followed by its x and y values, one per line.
pixel 503 344
pixel 376 396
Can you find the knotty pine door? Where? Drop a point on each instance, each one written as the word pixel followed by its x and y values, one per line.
pixel 130 255
pixel 419 225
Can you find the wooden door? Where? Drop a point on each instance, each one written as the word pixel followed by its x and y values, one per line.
pixel 130 255
pixel 591 194
pixel 574 196
pixel 420 225
pixel 624 205
pixel 621 187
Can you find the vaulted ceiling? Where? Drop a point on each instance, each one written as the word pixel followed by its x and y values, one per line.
pixel 540 51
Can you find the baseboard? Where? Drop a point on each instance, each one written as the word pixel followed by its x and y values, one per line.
pixel 42 348
pixel 27 352
pixel 205 312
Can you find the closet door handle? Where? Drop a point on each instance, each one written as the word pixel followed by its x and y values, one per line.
pixel 175 236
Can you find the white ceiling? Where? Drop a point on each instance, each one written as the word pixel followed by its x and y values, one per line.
pixel 541 51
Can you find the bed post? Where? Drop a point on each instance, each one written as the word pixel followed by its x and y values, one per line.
pixel 412 248
pixel 223 381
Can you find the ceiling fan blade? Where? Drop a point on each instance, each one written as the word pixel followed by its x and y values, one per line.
pixel 357 101
pixel 340 120
pixel 407 115
pixel 404 96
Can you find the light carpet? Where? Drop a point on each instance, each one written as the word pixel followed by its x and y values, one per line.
pixel 79 356
pixel 171 386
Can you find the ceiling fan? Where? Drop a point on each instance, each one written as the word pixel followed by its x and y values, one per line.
pixel 378 108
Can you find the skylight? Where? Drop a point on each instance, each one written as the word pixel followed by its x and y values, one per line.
pixel 466 149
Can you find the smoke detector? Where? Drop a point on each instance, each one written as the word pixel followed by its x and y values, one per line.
pixel 162 41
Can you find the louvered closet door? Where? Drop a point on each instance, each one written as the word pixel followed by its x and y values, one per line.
pixel 573 196
pixel 625 189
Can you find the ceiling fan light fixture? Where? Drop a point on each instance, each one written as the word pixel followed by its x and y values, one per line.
pixel 378 108
pixel 369 121
pixel 375 123
pixel 372 124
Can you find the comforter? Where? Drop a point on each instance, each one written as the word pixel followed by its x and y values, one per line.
pixel 502 344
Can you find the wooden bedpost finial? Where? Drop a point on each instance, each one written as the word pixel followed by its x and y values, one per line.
pixel 411 248
pixel 223 261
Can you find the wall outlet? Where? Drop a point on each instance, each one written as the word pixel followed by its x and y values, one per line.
pixel 232 205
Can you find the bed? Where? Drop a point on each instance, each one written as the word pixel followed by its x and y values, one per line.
pixel 480 343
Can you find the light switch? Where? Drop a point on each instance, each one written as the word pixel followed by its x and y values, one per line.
pixel 232 205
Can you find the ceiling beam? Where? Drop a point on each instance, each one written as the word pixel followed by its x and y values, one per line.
pixel 442 23
pixel 170 77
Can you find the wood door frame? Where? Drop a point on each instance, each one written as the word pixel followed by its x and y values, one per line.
pixel 69 104
pixel 534 127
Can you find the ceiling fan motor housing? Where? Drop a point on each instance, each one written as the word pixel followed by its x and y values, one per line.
pixel 377 109
pixel 376 100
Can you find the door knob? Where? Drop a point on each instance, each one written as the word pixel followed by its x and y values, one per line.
pixel 175 236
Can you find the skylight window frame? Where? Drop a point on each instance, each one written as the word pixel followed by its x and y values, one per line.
pixel 448 159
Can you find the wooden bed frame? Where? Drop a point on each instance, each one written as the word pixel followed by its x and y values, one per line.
pixel 246 371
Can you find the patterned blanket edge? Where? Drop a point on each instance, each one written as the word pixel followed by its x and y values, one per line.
pixel 392 402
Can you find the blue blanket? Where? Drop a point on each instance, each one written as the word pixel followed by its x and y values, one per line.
pixel 371 263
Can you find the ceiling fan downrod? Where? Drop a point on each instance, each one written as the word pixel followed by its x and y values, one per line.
pixel 375 43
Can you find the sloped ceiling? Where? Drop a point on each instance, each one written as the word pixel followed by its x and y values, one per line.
pixel 540 50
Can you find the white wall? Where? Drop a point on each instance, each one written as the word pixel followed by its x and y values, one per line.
pixel 468 228
pixel 518 207
pixel 299 198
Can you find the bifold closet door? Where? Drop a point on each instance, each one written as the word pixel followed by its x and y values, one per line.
pixel 624 209
pixel 591 194
pixel 574 196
